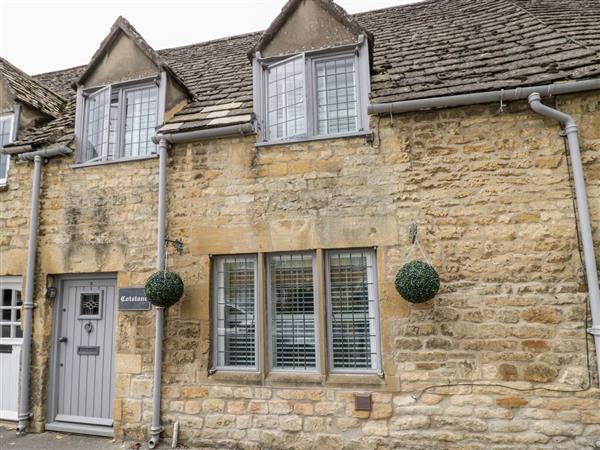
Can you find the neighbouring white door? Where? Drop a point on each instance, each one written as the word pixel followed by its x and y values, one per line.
pixel 10 346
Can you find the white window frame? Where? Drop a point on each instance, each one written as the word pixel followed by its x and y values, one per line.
pixel 13 284
pixel 269 304
pixel 13 132
pixel 363 88
pixel 122 87
pixel 216 269
pixel 372 292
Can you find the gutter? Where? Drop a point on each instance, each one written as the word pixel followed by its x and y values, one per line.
pixel 547 90
pixel 37 157
pixel 201 135
pixel 534 95
pixel 585 228
pixel 163 141
pixel 16 150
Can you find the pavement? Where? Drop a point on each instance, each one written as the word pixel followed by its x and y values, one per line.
pixel 63 441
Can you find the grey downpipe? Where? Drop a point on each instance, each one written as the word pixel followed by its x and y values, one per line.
pixel 585 227
pixel 483 97
pixel 156 427
pixel 162 140
pixel 24 413
pixel 211 133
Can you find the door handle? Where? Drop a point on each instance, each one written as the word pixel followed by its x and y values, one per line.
pixel 62 339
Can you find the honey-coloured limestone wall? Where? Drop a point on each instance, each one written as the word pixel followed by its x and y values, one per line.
pixel 492 196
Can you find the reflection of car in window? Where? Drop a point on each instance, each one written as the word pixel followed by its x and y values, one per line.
pixel 239 333
pixel 294 326
pixel 350 325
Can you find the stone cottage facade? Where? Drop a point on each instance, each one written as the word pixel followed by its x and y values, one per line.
pixel 295 161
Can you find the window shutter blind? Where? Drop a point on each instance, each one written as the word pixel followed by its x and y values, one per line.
pixel 292 306
pixel 352 309
pixel 236 312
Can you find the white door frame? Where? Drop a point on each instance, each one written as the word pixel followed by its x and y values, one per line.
pixel 53 376
pixel 12 282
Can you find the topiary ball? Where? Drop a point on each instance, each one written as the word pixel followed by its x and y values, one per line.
pixel 164 288
pixel 417 282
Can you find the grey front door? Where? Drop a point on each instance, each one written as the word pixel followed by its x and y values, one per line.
pixel 84 379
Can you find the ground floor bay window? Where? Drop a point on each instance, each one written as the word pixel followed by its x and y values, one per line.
pixel 296 312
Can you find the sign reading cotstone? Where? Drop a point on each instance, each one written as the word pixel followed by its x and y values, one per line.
pixel 133 299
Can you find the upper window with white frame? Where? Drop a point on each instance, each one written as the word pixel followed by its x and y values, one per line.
pixel 117 121
pixel 312 95
pixel 293 313
pixel 6 136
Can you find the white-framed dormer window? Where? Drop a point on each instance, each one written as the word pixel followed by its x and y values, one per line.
pixel 6 136
pixel 117 121
pixel 312 95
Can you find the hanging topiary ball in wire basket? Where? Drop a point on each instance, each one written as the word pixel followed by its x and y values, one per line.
pixel 417 282
pixel 164 288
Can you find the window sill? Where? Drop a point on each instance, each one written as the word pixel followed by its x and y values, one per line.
pixel 3 186
pixel 368 134
pixel 236 376
pixel 295 377
pixel 370 379
pixel 114 161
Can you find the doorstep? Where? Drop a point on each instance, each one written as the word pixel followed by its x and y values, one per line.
pixel 94 430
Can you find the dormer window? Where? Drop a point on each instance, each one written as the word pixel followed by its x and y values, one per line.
pixel 312 95
pixel 118 121
pixel 6 136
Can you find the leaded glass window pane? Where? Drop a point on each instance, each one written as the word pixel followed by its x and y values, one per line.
pixel 5 137
pixel 120 122
pixel 96 125
pixel 140 120
pixel 336 96
pixel 352 309
pixel 285 99
pixel 292 311
pixel 235 312
pixel 89 304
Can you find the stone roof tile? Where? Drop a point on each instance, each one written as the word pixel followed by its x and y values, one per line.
pixel 33 92
pixel 427 49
